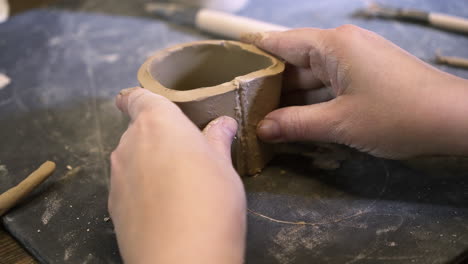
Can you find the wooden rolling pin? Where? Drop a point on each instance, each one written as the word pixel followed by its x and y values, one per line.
pixel 11 197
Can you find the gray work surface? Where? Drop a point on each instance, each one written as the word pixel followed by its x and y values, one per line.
pixel 66 67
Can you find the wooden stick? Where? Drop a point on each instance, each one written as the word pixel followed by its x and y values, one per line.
pixel 453 61
pixel 444 21
pixel 11 197
pixel 449 22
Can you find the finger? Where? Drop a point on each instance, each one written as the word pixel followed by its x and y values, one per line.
pixel 299 78
pixel 220 133
pixel 318 122
pixel 121 100
pixel 293 45
pixel 306 48
pixel 133 101
pixel 307 97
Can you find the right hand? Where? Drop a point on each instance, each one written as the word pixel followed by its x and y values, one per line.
pixel 385 101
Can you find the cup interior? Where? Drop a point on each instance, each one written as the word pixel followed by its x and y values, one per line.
pixel 205 65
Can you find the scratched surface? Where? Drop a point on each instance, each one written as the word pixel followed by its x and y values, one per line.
pixel 65 67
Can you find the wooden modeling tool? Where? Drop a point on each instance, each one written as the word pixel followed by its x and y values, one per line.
pixel 211 21
pixel 11 197
pixel 443 21
pixel 452 61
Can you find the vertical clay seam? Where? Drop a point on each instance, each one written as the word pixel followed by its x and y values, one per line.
pixel 241 116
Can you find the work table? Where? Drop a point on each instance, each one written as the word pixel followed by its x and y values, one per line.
pixel 66 67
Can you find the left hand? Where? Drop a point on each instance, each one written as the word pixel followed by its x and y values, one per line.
pixel 175 196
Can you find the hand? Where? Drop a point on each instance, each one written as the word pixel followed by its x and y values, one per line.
pixel 384 100
pixel 174 195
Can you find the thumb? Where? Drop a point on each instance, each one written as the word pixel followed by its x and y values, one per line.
pixel 318 122
pixel 220 133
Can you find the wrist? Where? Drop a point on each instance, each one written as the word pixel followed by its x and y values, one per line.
pixel 448 118
pixel 201 219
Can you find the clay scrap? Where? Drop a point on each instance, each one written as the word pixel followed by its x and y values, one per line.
pixel 208 79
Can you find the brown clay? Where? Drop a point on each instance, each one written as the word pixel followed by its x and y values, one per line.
pixel 208 79
pixel 11 197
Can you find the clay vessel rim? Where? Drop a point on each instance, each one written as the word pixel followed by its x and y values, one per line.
pixel 149 82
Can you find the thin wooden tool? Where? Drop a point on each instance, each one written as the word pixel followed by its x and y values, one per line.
pixel 443 21
pixel 11 197
pixel 452 61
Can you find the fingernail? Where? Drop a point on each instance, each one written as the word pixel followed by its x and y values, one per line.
pixel 230 125
pixel 119 100
pixel 252 38
pixel 128 90
pixel 210 124
pixel 269 130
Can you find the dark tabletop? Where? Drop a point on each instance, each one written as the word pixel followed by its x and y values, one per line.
pixel 66 64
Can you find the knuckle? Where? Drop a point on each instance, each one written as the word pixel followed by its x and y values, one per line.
pixel 147 124
pixel 136 99
pixel 146 116
pixel 338 132
pixel 350 32
pixel 295 126
pixel 145 121
pixel 149 102
pixel 150 119
pixel 152 110
pixel 341 127
pixel 348 29
pixel 114 158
